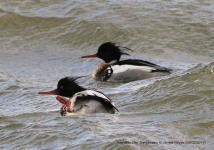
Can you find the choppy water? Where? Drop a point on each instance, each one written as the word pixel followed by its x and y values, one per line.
pixel 42 41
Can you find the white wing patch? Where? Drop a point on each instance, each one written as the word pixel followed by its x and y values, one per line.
pixel 122 68
pixel 95 93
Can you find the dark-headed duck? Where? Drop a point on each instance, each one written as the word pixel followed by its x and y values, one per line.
pixel 112 69
pixel 82 100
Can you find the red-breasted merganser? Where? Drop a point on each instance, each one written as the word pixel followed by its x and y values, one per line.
pixel 125 70
pixel 82 101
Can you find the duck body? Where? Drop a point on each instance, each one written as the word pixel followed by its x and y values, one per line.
pixel 114 70
pixel 82 101
pixel 128 70
pixel 87 102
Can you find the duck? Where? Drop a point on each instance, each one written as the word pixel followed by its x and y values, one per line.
pixel 115 70
pixel 81 100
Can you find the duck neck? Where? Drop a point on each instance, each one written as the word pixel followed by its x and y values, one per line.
pixel 78 89
pixel 72 91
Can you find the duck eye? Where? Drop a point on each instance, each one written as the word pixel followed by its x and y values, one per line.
pixel 61 87
pixel 101 52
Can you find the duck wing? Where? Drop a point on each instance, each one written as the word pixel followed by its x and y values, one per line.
pixel 99 96
pixel 135 63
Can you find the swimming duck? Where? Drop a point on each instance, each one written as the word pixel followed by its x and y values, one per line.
pixel 82 100
pixel 112 69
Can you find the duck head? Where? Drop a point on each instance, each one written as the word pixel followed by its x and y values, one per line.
pixel 109 52
pixel 66 87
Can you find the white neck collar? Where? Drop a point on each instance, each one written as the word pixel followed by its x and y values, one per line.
pixel 111 62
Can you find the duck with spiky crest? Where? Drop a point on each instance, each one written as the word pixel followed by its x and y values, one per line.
pixel 112 69
pixel 82 100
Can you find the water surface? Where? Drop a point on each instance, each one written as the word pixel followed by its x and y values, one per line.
pixel 43 41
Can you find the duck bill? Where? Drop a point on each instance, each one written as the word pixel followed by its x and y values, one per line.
pixel 90 56
pixel 54 92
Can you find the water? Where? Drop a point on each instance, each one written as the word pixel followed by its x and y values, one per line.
pixel 43 41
